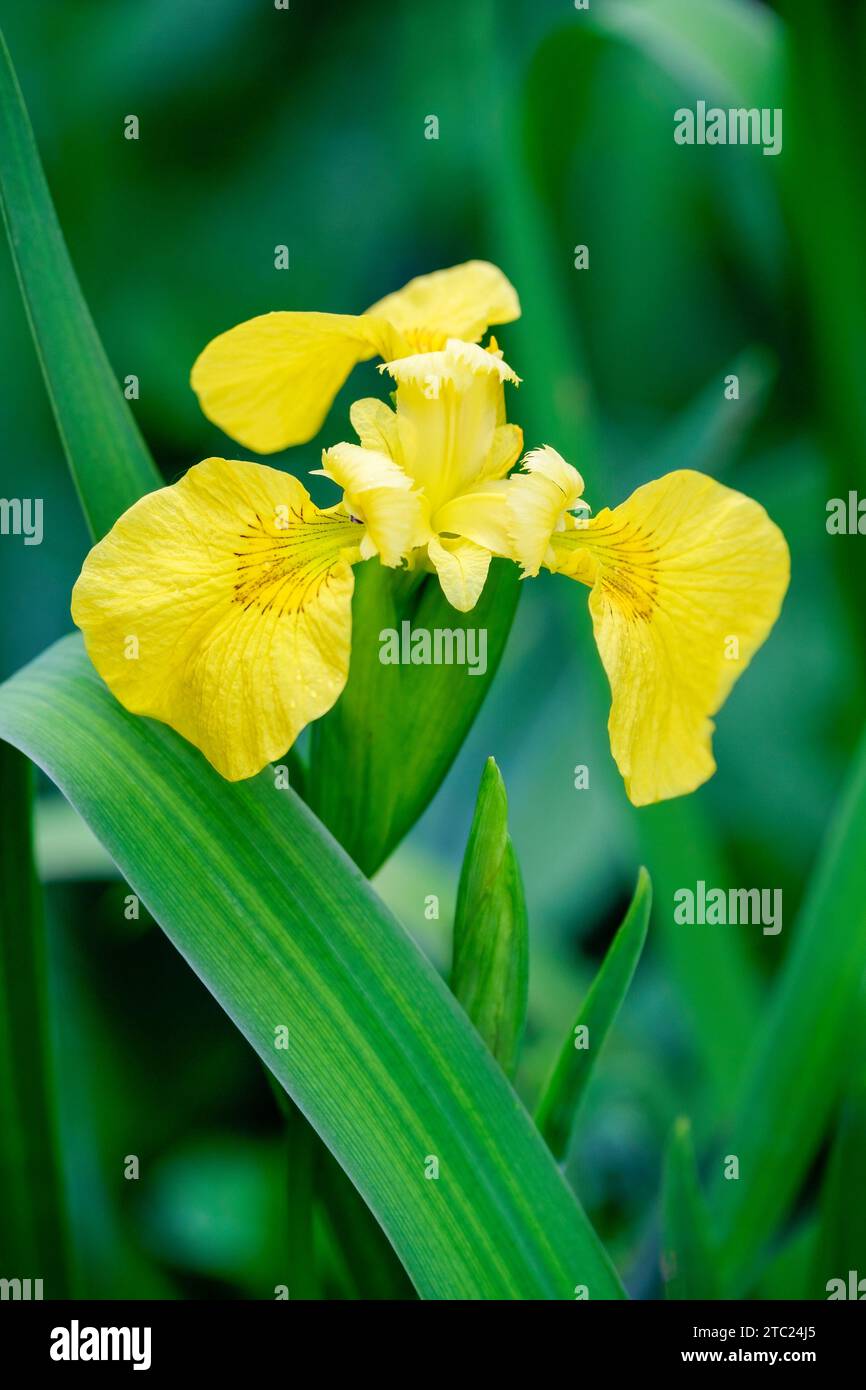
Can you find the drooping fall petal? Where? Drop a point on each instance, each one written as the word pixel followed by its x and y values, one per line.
pixel 222 606
pixel 687 578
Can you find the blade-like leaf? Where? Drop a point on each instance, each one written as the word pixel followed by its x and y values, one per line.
pixel 687 1261
pixel 372 1269
pixel 840 1240
pixel 298 949
pixel 564 1091
pixel 800 1060
pixel 490 973
pixel 107 455
pixel 709 433
pixel 721 995
pixel 381 753
pixel 33 1229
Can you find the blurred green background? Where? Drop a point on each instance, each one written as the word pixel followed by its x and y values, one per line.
pixel 261 127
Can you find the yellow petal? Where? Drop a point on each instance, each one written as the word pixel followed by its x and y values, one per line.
pixel 480 516
pixel 462 569
pixel 375 424
pixel 507 443
pixel 222 606
pixel 688 578
pixel 461 302
pixel 269 382
pixel 448 408
pixel 538 499
pixel 380 495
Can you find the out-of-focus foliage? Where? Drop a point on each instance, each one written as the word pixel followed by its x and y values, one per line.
pixel 261 127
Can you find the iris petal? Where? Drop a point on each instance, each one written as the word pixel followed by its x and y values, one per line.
pixel 222 606
pixel 688 578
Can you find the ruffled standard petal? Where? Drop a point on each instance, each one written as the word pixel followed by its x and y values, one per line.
pixel 270 382
pixel 539 498
pixel 461 302
pixel 379 495
pixel 688 578
pixel 462 569
pixel 449 407
pixel 222 606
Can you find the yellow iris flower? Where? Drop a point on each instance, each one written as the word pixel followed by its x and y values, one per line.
pixel 222 605
pixel 686 580
pixel 448 449
pixel 269 382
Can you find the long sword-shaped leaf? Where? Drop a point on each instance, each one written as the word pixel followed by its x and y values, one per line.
pixel 800 1061
pixel 108 458
pixel 490 974
pixel 840 1239
pixel 687 1261
pixel 326 986
pixel 564 1091
pixel 33 1228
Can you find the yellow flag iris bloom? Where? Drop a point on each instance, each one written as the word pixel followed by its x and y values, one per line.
pixel 222 605
pixel 686 580
pixel 269 382
pixel 448 448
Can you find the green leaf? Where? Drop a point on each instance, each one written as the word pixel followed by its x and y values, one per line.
pixel 371 1268
pixel 564 1091
pixel 379 756
pixel 718 984
pixel 108 458
pixel 687 1260
pixel 840 1241
pixel 800 1060
pixel 33 1231
pixel 742 66
pixel 709 433
pixel 286 934
pixel 490 973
